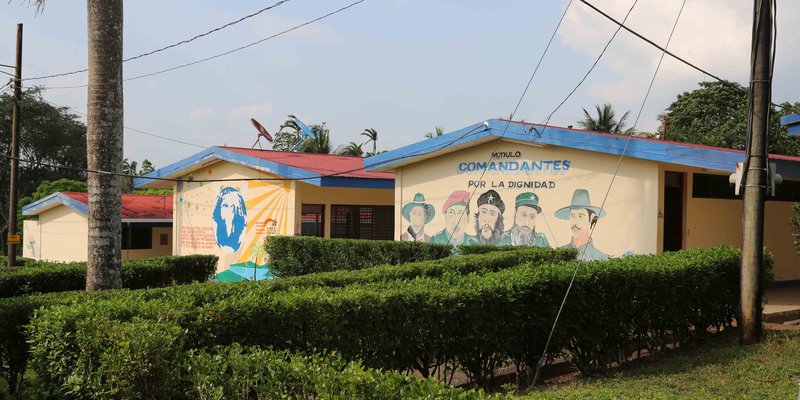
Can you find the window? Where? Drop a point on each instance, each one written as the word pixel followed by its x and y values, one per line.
pixel 312 220
pixel 163 239
pixel 707 186
pixel 137 238
pixel 362 222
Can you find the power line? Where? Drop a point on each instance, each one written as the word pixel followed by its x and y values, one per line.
pixel 434 147
pixel 608 191
pixel 521 97
pixel 132 129
pixel 227 52
pixel 171 45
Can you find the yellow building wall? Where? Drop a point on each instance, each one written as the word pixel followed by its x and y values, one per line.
pixel 310 194
pixel 31 239
pixel 156 249
pixel 231 219
pixel 629 226
pixel 63 235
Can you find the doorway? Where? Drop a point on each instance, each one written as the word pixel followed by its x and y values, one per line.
pixel 673 210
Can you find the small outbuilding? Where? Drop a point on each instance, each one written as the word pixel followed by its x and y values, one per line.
pixel 60 231
pixel 228 200
pixel 505 182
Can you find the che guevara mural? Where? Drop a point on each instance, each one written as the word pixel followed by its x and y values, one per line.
pixel 530 196
pixel 232 220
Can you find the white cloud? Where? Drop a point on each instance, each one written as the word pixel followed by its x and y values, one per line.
pixel 251 111
pixel 201 114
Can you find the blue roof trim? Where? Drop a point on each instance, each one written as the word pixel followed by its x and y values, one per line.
pixel 792 123
pixel 272 167
pixel 54 199
pixel 719 160
pixel 361 183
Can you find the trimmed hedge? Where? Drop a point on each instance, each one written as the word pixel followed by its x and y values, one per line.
pixel 17 312
pixel 300 255
pixel 20 261
pixel 474 323
pixel 44 277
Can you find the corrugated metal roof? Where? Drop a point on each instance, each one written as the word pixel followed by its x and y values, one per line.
pixel 136 206
pixel 323 164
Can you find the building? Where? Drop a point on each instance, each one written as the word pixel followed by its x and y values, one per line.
pixel 61 230
pixel 503 182
pixel 228 200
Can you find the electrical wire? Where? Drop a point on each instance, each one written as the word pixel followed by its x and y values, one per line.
pixel 541 360
pixel 224 53
pixel 132 129
pixel 516 108
pixel 176 44
pixel 436 147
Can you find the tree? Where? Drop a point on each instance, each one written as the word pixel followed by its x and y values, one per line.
pixel 716 115
pixel 321 142
pixel 353 149
pixel 104 143
pixel 48 135
pixel 606 120
pixel 437 131
pixel 372 136
pixel 132 168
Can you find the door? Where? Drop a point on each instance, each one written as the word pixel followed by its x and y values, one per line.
pixel 673 210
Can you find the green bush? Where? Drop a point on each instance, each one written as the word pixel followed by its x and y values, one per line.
pixel 227 372
pixel 300 255
pixel 20 262
pixel 16 312
pixel 472 322
pixel 44 277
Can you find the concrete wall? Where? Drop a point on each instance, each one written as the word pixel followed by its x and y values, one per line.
pixel 156 250
pixel 629 226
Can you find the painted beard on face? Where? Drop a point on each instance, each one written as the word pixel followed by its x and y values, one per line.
pixel 522 236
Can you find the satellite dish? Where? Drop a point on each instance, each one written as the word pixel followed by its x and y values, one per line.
pixel 262 132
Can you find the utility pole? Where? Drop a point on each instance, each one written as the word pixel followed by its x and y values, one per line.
pixel 756 175
pixel 13 238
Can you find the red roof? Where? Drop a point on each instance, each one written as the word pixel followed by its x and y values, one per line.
pixel 137 206
pixel 323 164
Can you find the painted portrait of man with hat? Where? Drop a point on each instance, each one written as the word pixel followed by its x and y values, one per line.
pixel 581 213
pixel 456 218
pixel 523 232
pixel 489 218
pixel 418 213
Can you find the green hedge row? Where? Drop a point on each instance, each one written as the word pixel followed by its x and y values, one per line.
pixel 20 261
pixel 17 312
pixel 43 277
pixel 300 255
pixel 474 323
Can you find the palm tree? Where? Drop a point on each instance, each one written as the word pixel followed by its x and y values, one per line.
pixel 353 149
pixel 605 121
pixel 321 142
pixel 372 136
pixel 104 127
pixel 437 131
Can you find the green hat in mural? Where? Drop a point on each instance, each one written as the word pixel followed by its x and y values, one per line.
pixel 419 201
pixel 580 199
pixel 529 199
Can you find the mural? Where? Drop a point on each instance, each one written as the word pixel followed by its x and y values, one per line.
pixel 232 220
pixel 480 210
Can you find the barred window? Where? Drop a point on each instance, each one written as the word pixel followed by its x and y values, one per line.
pixel 362 222
pixel 313 220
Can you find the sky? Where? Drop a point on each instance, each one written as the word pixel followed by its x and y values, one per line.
pixel 401 67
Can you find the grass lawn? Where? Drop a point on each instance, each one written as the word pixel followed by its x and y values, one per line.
pixel 716 369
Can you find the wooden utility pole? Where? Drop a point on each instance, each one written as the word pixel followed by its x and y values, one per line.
pixel 13 237
pixel 756 175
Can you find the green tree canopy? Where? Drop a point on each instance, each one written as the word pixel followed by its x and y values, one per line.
pixel 716 115
pixel 437 131
pixel 353 149
pixel 605 121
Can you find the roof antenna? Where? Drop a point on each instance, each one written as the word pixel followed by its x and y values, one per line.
pixel 262 132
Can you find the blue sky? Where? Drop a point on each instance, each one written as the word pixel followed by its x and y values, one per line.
pixel 401 67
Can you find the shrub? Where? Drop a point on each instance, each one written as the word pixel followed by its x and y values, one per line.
pixel 20 261
pixel 473 322
pixel 44 277
pixel 17 312
pixel 300 255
